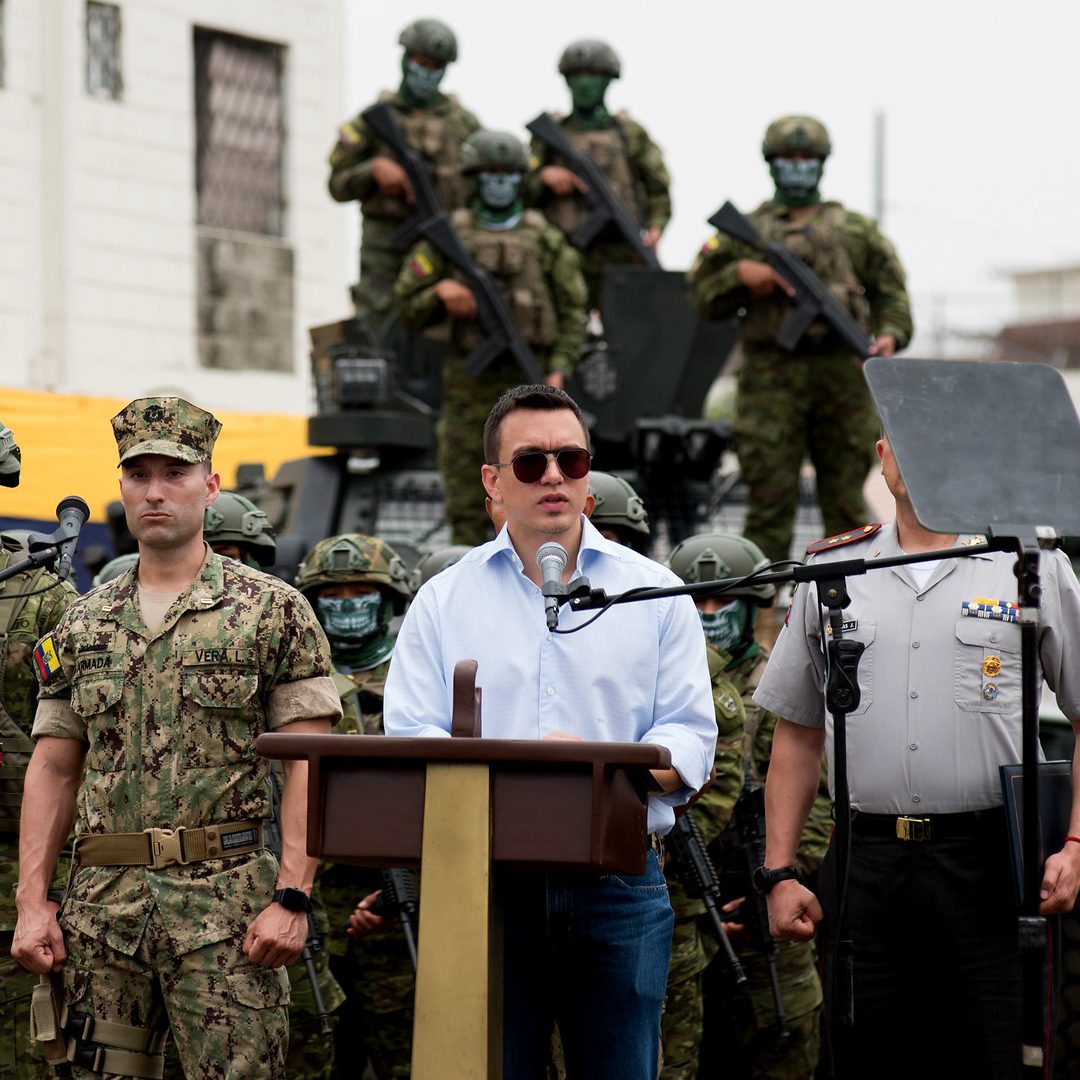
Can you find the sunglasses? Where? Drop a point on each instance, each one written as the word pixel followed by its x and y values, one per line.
pixel 530 465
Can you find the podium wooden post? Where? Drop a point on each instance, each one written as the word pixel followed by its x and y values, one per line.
pixel 456 806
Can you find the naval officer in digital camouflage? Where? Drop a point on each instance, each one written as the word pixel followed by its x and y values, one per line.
pixel 154 688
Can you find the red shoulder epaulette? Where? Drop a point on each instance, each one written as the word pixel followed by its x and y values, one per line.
pixel 840 539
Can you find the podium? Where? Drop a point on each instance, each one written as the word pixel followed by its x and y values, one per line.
pixel 455 807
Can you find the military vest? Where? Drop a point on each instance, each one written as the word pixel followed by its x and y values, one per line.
pixel 512 258
pixel 819 242
pixel 608 149
pixel 435 134
pixel 19 620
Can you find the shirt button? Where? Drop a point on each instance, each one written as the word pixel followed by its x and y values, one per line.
pixel 550 691
pixel 914 693
pixel 914 644
pixel 913 745
pixel 920 596
pixel 916 797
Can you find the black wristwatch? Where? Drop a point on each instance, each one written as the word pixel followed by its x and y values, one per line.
pixel 292 899
pixel 764 878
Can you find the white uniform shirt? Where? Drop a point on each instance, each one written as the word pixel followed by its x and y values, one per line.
pixel 940 705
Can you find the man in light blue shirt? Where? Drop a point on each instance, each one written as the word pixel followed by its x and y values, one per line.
pixel 591 953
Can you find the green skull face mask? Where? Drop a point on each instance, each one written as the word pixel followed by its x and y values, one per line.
pixel 350 619
pixel 724 629
pixel 421 83
pixel 587 91
pixel 796 180
pixel 498 190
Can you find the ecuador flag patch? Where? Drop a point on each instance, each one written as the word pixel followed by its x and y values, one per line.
pixel 47 660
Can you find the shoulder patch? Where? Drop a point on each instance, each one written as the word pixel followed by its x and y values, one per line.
pixel 710 245
pixel 348 136
pixel 840 539
pixel 47 660
pixel 421 267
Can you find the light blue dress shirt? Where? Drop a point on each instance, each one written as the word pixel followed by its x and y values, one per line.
pixel 638 674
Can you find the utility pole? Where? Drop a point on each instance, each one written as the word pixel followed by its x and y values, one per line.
pixel 879 167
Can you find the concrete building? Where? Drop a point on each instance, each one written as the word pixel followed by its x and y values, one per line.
pixel 166 225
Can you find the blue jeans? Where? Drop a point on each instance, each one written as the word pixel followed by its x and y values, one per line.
pixel 590 953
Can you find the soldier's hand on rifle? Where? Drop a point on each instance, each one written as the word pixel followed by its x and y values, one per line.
pixel 392 179
pixel 883 346
pixel 761 279
pixel 794 911
pixel 737 931
pixel 561 180
pixel 363 921
pixel 651 237
pixel 458 299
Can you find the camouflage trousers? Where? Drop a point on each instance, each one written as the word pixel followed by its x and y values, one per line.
pixel 467 400
pixel 228 1016
pixel 791 406
pixel 19 1058
pixel 377 977
pixel 681 1024
pixel 743 1038
pixel 380 263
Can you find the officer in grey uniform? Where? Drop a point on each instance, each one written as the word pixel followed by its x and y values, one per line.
pixel 930 903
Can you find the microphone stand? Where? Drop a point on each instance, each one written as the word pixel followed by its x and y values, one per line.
pixel 842 698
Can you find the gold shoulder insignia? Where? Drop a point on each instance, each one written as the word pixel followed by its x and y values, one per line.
pixel 840 539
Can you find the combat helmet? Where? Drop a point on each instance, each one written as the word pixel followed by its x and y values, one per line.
pixel 590 55
pixel 234 519
pixel 796 134
pixel 430 38
pixel 435 562
pixel 619 508
pixel 115 567
pixel 493 150
pixel 10 458
pixel 355 557
pixel 715 556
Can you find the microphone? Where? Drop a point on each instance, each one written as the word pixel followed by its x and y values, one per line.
pixel 551 558
pixel 71 514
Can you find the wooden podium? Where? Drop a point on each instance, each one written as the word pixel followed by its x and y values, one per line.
pixel 454 806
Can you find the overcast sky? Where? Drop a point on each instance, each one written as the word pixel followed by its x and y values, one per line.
pixel 982 151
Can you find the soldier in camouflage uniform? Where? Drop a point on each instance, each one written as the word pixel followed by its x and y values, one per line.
pixel 236 528
pixel 364 168
pixel 742 1037
pixel 630 161
pixel 540 276
pixel 814 401
pixel 357 584
pixel 153 689
pixel 31 603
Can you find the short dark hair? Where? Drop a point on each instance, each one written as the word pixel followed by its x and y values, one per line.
pixel 535 396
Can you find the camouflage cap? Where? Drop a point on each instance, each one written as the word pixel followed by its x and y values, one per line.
pixel 169 426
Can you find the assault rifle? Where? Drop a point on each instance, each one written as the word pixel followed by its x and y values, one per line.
pixel 604 206
pixel 397 896
pixel 501 335
pixel 380 118
pixel 748 817
pixel 812 299
pixel 695 870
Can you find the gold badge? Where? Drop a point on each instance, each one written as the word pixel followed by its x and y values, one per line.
pixel 991 666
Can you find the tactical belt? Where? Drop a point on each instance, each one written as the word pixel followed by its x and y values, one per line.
pixel 922 830
pixel 156 848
